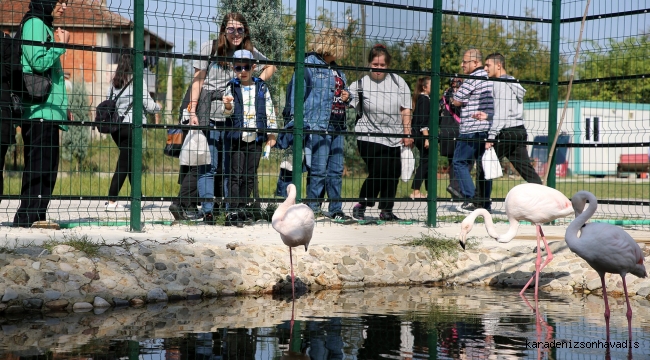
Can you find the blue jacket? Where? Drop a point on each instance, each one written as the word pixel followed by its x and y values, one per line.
pixel 236 120
pixel 318 105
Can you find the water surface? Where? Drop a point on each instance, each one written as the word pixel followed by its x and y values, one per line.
pixel 375 323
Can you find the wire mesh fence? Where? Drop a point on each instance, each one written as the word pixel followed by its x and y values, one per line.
pixel 378 110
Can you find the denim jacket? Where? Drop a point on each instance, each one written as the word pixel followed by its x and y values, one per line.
pixel 318 106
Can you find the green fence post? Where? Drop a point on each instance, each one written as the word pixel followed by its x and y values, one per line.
pixel 554 86
pixel 136 126
pixel 298 96
pixel 436 44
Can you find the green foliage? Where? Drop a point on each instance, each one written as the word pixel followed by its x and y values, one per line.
pixel 81 243
pixel 440 246
pixel 75 141
pixel 620 58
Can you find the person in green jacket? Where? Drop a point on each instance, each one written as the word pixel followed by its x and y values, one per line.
pixel 40 137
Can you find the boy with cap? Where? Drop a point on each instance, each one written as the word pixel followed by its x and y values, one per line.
pixel 249 111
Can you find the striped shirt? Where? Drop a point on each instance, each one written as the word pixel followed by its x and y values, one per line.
pixel 476 95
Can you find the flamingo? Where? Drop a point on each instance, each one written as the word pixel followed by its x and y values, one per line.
pixel 295 223
pixel 606 248
pixel 535 203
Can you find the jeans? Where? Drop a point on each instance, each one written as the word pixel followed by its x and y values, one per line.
pixel 326 171
pixel 220 160
pixel 470 148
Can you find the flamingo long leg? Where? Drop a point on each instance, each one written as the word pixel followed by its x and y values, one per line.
pixel 293 285
pixel 628 314
pixel 537 265
pixel 602 281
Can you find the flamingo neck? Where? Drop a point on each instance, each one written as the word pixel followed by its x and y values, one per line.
pixel 487 217
pixel 278 215
pixel 512 230
pixel 571 236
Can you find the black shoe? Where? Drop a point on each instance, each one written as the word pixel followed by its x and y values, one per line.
pixel 177 211
pixel 208 219
pixel 232 219
pixel 339 216
pixel 466 207
pixel 358 212
pixel 246 217
pixel 455 194
pixel 388 216
pixel 194 214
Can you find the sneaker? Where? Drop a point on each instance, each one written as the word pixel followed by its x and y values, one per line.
pixel 388 216
pixel 339 216
pixel 246 217
pixel 208 219
pixel 466 207
pixel 455 194
pixel 358 212
pixel 232 219
pixel 115 207
pixel 177 212
pixel 194 214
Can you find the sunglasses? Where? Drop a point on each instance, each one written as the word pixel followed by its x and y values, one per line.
pixel 239 68
pixel 239 30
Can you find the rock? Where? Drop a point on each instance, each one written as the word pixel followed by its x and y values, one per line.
pixel 32 304
pixel 52 294
pixel 82 306
pixel 232 245
pixel 17 275
pixel 186 251
pixel 3 306
pixel 36 265
pixel 348 260
pixel 193 293
pixel 10 294
pixel 160 266
pixel 594 284
pixel 100 303
pixel 120 302
pixel 92 275
pixel 156 295
pixel 66 267
pixel 14 309
pixel 57 304
pixel 62 275
pixel 208 252
pixel 49 276
pixel 136 302
pixel 144 251
pixel 33 251
pixel 62 249
pixel 644 291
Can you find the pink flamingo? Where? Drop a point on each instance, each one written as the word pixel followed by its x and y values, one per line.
pixel 606 248
pixel 535 203
pixel 295 223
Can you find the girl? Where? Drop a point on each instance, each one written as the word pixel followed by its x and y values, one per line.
pixel 122 137
pixel 385 108
pixel 420 130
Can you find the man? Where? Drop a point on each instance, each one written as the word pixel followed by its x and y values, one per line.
pixel 508 123
pixel 474 96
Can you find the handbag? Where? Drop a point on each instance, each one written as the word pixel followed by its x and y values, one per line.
pixel 37 87
pixel 408 163
pixel 174 143
pixel 491 165
pixel 195 149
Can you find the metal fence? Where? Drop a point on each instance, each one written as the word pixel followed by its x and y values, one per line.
pixel 603 145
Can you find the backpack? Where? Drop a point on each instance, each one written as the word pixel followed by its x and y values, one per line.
pixel 106 114
pixel 286 112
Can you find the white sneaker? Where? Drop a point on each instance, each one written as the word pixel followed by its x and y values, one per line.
pixel 115 207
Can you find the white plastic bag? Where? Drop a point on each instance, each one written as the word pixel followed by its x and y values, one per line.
pixel 408 163
pixel 491 165
pixel 195 149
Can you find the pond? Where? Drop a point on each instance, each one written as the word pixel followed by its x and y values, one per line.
pixel 369 323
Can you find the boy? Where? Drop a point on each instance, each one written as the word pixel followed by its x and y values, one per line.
pixel 247 106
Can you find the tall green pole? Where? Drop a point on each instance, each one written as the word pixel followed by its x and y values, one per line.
pixel 136 130
pixel 554 87
pixel 298 96
pixel 436 44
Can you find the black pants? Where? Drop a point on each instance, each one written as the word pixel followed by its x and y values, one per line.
pixel 384 168
pixel 188 193
pixel 510 144
pixel 41 147
pixel 122 139
pixel 422 172
pixel 244 160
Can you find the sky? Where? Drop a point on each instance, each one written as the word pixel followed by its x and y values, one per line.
pixel 180 21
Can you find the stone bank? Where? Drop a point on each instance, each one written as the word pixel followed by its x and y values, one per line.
pixel 32 279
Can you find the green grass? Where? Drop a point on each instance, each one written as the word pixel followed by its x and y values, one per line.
pixel 81 243
pixel 440 246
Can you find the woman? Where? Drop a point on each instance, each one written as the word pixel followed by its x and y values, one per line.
pixel 212 77
pixel 122 137
pixel 386 109
pixel 448 132
pixel 41 139
pixel 420 130
pixel 324 110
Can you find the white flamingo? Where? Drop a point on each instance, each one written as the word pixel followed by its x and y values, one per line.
pixel 606 248
pixel 535 203
pixel 295 223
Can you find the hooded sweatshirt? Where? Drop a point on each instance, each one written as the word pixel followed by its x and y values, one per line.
pixel 508 106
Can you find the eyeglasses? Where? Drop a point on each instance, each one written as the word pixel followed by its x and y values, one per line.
pixel 467 61
pixel 239 68
pixel 231 30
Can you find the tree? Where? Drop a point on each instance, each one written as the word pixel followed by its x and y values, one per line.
pixel 75 141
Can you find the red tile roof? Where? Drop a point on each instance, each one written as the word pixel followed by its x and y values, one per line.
pixel 80 13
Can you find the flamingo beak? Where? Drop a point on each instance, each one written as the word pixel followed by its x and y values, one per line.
pixel 306 246
pixel 463 236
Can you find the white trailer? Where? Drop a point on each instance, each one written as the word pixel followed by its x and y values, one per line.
pixel 598 123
